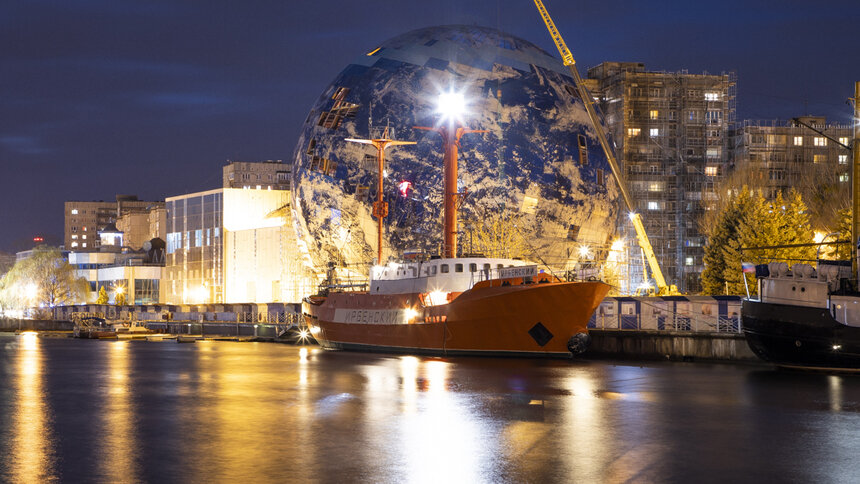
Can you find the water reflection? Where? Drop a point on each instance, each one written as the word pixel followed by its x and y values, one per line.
pixel 32 458
pixel 119 456
pixel 219 411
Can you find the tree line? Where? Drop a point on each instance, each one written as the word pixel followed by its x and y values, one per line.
pixel 745 222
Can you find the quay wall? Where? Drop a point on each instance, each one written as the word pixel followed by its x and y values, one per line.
pixel 669 345
pixel 34 325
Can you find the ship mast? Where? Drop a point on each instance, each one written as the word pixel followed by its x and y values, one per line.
pixel 855 184
pixel 380 207
pixel 451 128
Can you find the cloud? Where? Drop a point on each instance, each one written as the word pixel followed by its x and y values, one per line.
pixel 24 145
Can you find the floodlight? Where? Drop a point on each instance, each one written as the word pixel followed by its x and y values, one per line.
pixel 451 104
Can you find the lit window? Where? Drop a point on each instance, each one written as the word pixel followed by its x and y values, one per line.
pixel 74 244
pixel 843 159
pixel 85 229
pixel 798 141
pixel 689 261
pixel 633 131
pixel 843 177
pixel 74 211
pixel 843 140
pixel 655 187
pixel 258 187
pixel 84 244
pixel 820 141
pixel 819 158
pixel 712 96
pixel 653 206
pixel 711 170
pixel 655 132
pixel 84 237
pixel 655 114
pixel 583 150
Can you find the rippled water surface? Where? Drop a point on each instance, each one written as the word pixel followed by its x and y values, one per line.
pixel 112 411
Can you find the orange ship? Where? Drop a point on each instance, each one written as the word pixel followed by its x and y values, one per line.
pixel 471 305
pixel 454 305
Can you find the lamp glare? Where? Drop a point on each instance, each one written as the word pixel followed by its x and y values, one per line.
pixel 451 104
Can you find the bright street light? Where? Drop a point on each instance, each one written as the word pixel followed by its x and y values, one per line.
pixel 451 105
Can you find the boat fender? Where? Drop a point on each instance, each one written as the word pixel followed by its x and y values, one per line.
pixel 578 343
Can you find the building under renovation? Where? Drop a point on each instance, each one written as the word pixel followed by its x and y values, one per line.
pixel 806 154
pixel 671 135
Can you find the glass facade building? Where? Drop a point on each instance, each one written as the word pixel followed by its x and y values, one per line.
pixel 194 259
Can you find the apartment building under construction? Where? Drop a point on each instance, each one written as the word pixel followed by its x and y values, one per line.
pixel 671 135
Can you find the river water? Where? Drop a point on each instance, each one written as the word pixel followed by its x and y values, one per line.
pixel 114 411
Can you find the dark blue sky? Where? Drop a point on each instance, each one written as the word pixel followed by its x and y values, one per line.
pixel 99 97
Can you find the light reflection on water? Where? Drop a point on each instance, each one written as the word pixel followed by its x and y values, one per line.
pixel 217 411
pixel 119 449
pixel 31 458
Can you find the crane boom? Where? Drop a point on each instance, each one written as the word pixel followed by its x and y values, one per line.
pixel 588 101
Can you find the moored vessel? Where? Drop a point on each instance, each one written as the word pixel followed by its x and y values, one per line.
pixel 805 316
pixel 470 305
pixel 452 305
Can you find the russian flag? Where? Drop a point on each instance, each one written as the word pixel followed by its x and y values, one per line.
pixel 748 267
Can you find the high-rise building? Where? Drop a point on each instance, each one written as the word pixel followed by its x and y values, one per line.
pixel 671 136
pixel 83 219
pixel 775 156
pixel 260 175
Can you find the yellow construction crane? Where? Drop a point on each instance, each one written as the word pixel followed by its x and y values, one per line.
pixel 588 100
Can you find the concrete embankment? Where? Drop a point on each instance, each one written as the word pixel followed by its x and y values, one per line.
pixel 35 325
pixel 669 345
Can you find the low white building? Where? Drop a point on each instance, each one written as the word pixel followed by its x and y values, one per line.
pixel 116 272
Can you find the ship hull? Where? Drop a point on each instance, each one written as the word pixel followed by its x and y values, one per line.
pixel 801 337
pixel 519 320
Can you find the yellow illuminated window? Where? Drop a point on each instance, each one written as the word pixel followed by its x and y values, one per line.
pixel 798 141
pixel 820 141
pixel 711 170
pixel 843 177
pixel 819 158
pixel 843 140
pixel 633 131
pixel 655 114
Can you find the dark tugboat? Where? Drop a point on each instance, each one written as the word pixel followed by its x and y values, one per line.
pixel 809 317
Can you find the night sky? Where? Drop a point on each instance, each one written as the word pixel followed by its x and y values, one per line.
pixel 99 97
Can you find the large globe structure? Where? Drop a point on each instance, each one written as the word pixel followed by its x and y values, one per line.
pixel 537 183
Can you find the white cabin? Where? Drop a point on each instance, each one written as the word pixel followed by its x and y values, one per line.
pixel 444 275
pixel 806 286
